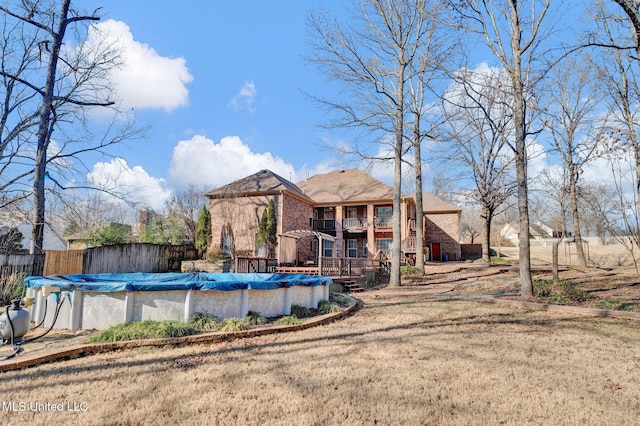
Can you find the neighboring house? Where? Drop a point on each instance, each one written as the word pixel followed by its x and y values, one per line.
pixel 538 231
pixel 88 238
pixel 344 213
pixel 51 239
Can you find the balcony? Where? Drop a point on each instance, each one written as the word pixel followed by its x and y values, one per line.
pixel 383 222
pixel 354 224
pixel 324 225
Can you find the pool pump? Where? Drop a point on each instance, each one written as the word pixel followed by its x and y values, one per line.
pixel 14 322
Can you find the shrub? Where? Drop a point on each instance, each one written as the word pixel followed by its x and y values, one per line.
pixel 144 330
pixel 255 318
pixel 300 311
pixel 217 255
pixel 289 320
pixel 410 270
pixel 234 324
pixel 205 322
pixel 561 292
pixel 11 286
pixel 339 299
pixel 327 307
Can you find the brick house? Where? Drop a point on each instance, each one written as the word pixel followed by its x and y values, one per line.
pixel 236 210
pixel 343 213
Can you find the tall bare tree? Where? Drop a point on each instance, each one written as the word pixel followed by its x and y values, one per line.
pixel 617 70
pixel 573 131
pixel 371 55
pixel 479 124
pixel 55 91
pixel 512 30
pixel 427 71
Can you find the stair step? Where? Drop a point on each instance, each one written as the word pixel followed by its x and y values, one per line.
pixel 352 286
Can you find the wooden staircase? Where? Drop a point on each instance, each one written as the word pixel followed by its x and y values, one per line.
pixel 351 286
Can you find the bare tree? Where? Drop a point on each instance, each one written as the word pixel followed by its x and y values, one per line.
pixel 624 224
pixel 371 56
pixel 573 131
pixel 426 71
pixel 479 124
pixel 513 31
pixel 617 73
pixel 187 202
pixel 443 186
pixel 56 96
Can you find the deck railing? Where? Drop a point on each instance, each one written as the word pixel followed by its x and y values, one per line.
pixel 354 223
pixel 383 222
pixel 256 264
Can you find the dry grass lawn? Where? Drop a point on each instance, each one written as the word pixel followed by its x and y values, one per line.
pixel 401 360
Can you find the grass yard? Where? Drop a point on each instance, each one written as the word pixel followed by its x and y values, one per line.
pixel 404 359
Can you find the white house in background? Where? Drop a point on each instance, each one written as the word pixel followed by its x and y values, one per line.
pixel 51 241
pixel 537 231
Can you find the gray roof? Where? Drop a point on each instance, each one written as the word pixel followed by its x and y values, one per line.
pixel 265 182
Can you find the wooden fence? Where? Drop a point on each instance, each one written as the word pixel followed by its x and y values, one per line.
pixel 119 258
pixel 23 264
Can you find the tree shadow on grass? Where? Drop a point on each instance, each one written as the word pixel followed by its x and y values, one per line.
pixel 371 333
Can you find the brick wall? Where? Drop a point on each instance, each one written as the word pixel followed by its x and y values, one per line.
pixel 443 228
pixel 244 214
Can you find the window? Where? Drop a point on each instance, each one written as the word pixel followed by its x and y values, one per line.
pixel 384 211
pixel 384 244
pixel 328 213
pixel 352 212
pixel 352 248
pixel 327 248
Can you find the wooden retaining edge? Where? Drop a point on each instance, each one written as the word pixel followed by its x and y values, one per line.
pixel 57 354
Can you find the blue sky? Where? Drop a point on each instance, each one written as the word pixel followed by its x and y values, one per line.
pixel 222 83
pixel 229 99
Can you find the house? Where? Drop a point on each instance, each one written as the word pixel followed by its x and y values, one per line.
pixel 51 240
pixel 538 231
pixel 343 213
pixel 236 210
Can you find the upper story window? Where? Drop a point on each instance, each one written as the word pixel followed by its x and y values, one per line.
pixel 384 211
pixel 329 213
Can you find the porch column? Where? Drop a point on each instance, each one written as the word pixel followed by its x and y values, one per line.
pixel 371 235
pixel 339 245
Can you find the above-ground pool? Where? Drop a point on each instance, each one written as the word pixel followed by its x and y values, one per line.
pixel 99 301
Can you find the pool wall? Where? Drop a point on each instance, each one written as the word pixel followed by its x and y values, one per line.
pixel 98 310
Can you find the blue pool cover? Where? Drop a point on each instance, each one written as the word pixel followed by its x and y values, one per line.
pixel 140 281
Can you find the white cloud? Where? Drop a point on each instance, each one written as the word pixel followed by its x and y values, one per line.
pixel 201 161
pixel 134 184
pixel 145 79
pixel 245 98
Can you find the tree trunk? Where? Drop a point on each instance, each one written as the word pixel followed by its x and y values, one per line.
pixel 417 166
pixel 394 278
pixel 582 259
pixel 486 235
pixel 519 121
pixel 44 134
pixel 554 261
